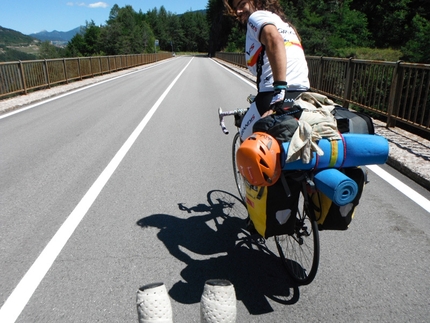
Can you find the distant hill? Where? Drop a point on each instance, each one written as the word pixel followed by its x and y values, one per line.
pixel 10 37
pixel 16 46
pixel 56 36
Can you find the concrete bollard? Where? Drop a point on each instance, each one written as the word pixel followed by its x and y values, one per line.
pixel 218 302
pixel 153 304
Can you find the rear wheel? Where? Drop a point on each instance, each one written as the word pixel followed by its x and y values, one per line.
pixel 240 181
pixel 300 251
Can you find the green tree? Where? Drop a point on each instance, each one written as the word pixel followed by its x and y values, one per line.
pixel 195 30
pixel 85 43
pixel 92 39
pixel 126 32
pixel 236 39
pixel 348 27
pixel 175 34
pixel 49 51
pixel 76 46
pixel 158 21
pixel 220 27
pixel 417 48
pixel 186 32
pixel 387 20
pixel 313 28
pixel 326 27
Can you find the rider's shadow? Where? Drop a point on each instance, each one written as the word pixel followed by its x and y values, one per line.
pixel 214 245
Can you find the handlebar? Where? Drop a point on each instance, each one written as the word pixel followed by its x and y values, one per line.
pixel 222 114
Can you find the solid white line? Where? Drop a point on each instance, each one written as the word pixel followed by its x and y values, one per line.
pixel 19 298
pixel 401 187
pixel 236 74
pixel 8 114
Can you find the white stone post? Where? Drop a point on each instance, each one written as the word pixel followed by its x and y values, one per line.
pixel 153 304
pixel 218 302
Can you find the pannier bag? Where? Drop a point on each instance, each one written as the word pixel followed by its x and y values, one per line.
pixel 273 209
pixel 331 216
pixel 353 121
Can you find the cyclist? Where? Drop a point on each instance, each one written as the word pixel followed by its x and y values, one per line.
pixel 274 54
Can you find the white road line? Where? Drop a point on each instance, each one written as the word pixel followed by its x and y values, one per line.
pixel 236 74
pixel 19 298
pixel 401 187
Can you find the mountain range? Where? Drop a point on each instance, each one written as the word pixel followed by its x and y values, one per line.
pixel 56 36
pixel 15 46
pixel 13 37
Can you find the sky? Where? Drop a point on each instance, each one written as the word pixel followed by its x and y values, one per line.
pixel 33 16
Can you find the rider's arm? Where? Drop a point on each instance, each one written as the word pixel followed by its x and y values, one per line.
pixel 275 50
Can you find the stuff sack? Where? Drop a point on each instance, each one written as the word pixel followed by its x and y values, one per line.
pixel 331 216
pixel 281 127
pixel 270 208
pixel 349 121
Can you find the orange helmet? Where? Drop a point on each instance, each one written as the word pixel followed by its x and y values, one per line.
pixel 258 159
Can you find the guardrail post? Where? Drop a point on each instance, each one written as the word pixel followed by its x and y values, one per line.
pixel 395 94
pixel 46 72
pixel 100 65
pixel 91 66
pixel 79 68
pixel 65 71
pixel 23 83
pixel 348 83
pixel 320 71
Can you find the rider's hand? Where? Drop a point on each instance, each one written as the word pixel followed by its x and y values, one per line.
pixel 280 91
pixel 268 113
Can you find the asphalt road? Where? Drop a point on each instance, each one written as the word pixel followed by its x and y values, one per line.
pixel 119 185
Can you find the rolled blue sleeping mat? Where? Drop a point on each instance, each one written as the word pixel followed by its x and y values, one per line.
pixel 336 185
pixel 354 150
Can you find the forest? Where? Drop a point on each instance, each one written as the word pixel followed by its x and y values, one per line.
pixel 366 29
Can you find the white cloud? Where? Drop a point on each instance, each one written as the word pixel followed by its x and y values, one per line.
pixel 98 5
pixel 91 5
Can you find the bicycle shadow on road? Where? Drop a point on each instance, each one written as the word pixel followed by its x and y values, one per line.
pixel 214 245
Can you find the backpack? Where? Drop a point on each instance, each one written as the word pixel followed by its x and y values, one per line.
pixel 353 121
pixel 330 216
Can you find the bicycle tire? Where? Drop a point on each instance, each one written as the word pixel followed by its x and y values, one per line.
pixel 240 181
pixel 300 251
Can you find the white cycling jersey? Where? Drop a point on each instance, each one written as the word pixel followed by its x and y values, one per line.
pixel 297 68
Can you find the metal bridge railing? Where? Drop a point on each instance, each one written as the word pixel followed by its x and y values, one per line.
pixel 23 76
pixel 396 91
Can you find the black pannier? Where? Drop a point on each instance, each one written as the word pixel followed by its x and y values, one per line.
pixel 353 121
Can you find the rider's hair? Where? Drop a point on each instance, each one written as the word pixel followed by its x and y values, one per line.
pixel 268 5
